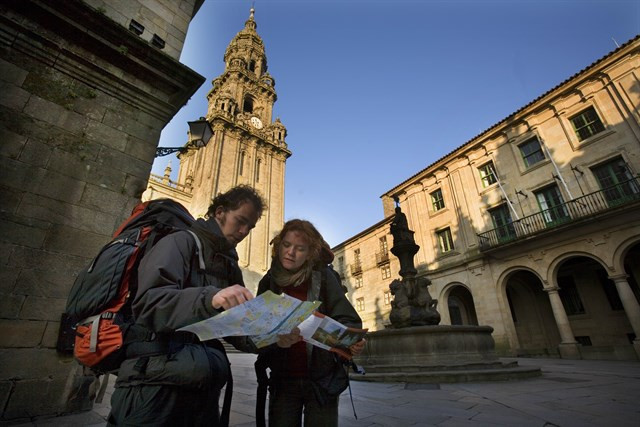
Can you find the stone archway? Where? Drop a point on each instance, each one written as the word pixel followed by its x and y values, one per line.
pixel 462 310
pixel 595 312
pixel 532 316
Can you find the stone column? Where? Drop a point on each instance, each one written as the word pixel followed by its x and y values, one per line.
pixel 631 306
pixel 568 346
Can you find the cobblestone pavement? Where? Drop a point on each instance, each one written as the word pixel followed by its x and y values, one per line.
pixel 579 393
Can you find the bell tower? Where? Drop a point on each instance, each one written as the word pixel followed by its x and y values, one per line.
pixel 248 146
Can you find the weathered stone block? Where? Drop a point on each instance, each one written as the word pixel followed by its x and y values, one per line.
pixel 104 199
pixel 130 125
pixel 35 397
pixel 63 238
pixel 90 108
pixel 10 200
pixel 36 153
pixel 18 175
pixel 20 333
pixel 140 149
pixel 61 187
pixel 11 73
pixel 56 115
pixel 106 177
pixel 29 363
pixel 103 134
pixel 119 161
pixel 6 249
pixel 12 143
pixel 50 337
pixel 54 263
pixel 8 277
pixel 34 206
pixel 13 96
pixel 64 92
pixel 21 234
pixel 5 391
pixel 70 164
pixel 37 308
pixel 74 144
pixel 10 305
pixel 42 283
pixel 135 186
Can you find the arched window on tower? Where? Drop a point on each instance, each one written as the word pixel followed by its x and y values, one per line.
pixel 252 66
pixel 258 170
pixel 248 105
pixel 241 163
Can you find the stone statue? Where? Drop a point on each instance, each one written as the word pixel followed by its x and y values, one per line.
pixel 412 304
pixel 400 228
pixel 400 315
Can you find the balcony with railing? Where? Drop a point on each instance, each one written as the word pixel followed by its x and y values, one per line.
pixel 157 179
pixel 356 268
pixel 382 257
pixel 593 204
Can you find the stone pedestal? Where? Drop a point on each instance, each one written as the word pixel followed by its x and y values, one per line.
pixel 441 353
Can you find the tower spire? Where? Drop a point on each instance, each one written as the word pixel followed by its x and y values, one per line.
pixel 251 22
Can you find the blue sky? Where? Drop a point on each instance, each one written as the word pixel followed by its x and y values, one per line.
pixel 372 92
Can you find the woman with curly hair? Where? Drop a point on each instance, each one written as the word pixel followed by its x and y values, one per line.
pixel 305 380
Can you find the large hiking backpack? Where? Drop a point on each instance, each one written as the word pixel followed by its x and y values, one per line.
pixel 99 304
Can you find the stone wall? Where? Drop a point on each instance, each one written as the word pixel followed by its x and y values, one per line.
pixel 82 105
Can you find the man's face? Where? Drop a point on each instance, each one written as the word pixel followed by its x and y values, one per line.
pixel 236 224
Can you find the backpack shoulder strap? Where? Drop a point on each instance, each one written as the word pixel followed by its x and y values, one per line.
pixel 201 264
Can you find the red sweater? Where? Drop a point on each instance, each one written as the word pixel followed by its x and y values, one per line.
pixel 297 353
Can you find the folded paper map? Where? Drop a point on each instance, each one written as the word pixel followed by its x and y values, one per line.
pixel 329 334
pixel 262 318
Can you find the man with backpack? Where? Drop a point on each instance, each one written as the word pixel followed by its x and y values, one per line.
pixel 173 379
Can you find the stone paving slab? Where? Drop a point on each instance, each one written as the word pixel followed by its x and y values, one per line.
pixel 569 393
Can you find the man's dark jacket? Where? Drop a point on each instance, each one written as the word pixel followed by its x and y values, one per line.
pixel 172 293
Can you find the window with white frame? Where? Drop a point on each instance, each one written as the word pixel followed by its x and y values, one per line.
pixel 445 240
pixel 386 271
pixel 387 298
pixel 552 205
pixel 358 282
pixel 487 174
pixel 437 201
pixel 360 304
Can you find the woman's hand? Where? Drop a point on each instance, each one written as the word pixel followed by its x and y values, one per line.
pixel 357 348
pixel 287 340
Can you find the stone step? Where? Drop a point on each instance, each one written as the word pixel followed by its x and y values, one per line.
pixel 229 348
pixel 451 376
pixel 494 364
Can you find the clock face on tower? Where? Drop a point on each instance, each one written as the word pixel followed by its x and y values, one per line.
pixel 256 122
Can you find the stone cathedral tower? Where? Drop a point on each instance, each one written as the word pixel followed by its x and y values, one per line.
pixel 247 147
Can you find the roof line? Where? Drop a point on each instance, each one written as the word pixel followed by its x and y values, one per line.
pixel 584 70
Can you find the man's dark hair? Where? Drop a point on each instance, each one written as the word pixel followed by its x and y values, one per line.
pixel 233 198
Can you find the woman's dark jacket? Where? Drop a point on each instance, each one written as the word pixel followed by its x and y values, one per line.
pixel 326 288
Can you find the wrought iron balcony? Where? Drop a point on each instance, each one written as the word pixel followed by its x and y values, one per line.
pixel 356 268
pixel 382 257
pixel 592 204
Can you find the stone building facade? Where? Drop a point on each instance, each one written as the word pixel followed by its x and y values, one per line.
pixel 87 87
pixel 531 227
pixel 248 147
